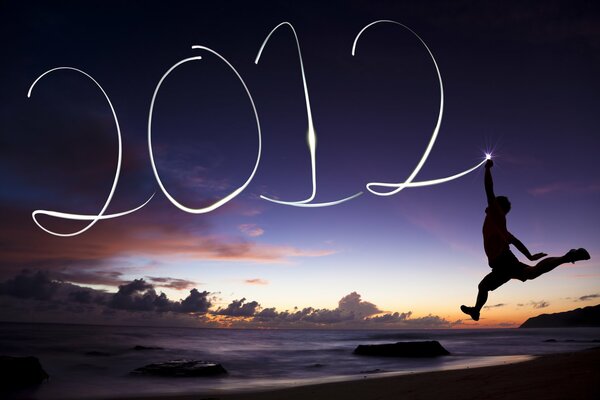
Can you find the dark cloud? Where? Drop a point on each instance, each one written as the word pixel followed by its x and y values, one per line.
pixel 238 308
pixel 428 321
pixel 539 304
pixel 140 295
pixel 90 277
pixel 352 311
pixel 82 296
pixel 171 283
pixel 589 297
pixel 137 295
pixel 495 305
pixel 39 292
pixel 390 318
pixel 352 303
pixel 29 285
pixel 325 316
pixel 197 302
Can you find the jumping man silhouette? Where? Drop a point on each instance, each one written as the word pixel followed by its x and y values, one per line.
pixel 505 265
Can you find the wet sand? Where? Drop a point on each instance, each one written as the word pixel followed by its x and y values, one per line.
pixel 557 376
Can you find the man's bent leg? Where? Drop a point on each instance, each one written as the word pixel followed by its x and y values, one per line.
pixel 482 295
pixel 491 281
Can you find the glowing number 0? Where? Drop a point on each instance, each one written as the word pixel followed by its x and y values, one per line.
pixel 83 217
pixel 235 192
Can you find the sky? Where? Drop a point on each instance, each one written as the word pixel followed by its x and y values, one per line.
pixel 519 81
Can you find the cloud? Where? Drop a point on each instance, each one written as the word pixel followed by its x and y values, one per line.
pixel 390 318
pixel 539 304
pixel 140 295
pixel 36 293
pixel 352 312
pixel 251 230
pixel 256 281
pixel 137 295
pixel 90 277
pixel 588 297
pixel 171 283
pixel 29 286
pixel 495 305
pixel 352 303
pixel 238 308
pixel 196 302
pixel 153 232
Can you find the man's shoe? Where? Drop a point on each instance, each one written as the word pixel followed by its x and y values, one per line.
pixel 471 312
pixel 577 255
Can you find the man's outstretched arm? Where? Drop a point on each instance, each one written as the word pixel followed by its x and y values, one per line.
pixel 489 183
pixel 521 247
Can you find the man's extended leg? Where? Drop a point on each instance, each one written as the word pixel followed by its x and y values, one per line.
pixel 548 264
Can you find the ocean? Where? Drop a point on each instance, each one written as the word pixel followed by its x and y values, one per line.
pixel 86 362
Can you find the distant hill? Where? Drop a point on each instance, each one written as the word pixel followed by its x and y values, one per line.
pixel 581 317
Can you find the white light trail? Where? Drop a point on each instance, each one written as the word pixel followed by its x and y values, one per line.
pixel 84 217
pixel 231 195
pixel 312 137
pixel 409 181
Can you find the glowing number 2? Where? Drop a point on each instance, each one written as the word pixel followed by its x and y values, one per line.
pixel 409 181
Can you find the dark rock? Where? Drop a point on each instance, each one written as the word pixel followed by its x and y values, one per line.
pixel 182 368
pixel 581 317
pixel 403 349
pixel 140 348
pixel 18 372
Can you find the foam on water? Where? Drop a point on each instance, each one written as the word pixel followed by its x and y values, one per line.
pixel 96 361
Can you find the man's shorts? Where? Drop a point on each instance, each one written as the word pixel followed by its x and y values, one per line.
pixel 504 268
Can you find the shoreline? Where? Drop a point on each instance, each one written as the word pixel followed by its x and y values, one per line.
pixel 571 375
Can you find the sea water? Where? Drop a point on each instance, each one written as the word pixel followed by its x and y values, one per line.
pixel 86 361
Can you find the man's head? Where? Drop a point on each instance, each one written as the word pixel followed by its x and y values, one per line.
pixel 503 203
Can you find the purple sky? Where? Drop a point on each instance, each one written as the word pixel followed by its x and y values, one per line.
pixel 520 80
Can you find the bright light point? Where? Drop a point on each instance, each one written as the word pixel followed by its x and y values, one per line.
pixel 488 156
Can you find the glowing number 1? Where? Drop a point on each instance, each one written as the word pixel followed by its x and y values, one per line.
pixel 312 137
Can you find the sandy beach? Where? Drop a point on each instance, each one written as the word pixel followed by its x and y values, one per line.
pixel 557 376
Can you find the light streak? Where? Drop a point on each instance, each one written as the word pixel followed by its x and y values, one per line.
pixel 435 181
pixel 237 191
pixel 85 217
pixel 409 181
pixel 312 137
